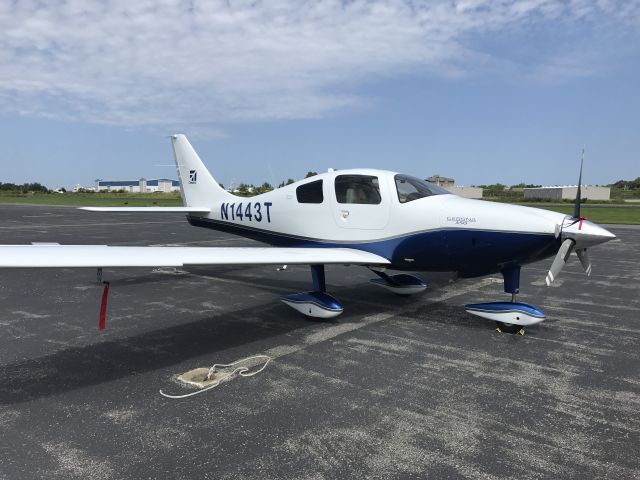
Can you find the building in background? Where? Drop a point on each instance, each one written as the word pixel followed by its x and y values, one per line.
pixel 163 185
pixel 568 192
pixel 450 184
pixel 466 192
pixel 138 186
pixel 443 182
pixel 81 188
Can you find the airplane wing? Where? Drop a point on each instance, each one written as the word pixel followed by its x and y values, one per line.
pixel 98 256
pixel 148 209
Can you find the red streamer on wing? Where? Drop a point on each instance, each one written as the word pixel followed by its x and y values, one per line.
pixel 580 224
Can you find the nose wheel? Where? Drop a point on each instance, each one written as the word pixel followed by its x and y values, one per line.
pixel 509 317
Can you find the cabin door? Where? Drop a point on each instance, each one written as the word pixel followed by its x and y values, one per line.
pixel 360 201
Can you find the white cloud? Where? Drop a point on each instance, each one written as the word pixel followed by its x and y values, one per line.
pixel 197 63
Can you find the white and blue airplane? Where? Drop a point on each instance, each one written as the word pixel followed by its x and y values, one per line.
pixel 378 219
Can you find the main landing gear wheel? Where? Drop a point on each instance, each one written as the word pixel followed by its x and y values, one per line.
pixel 401 284
pixel 509 328
pixel 317 304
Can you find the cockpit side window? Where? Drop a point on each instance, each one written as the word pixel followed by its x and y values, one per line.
pixel 361 189
pixel 310 192
pixel 411 188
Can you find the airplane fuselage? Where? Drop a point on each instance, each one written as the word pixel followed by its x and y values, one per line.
pixel 437 232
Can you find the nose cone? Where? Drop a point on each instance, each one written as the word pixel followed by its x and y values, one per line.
pixel 587 234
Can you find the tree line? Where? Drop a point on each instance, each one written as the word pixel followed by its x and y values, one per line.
pixel 23 188
pixel 249 190
pixel 627 184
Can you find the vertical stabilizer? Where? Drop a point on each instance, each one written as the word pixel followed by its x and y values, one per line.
pixel 197 185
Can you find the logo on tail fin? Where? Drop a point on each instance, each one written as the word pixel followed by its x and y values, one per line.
pixel 193 176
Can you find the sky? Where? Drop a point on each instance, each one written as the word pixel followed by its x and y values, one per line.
pixel 481 91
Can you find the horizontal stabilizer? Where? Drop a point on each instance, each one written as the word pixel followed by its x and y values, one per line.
pixel 148 209
pixel 69 256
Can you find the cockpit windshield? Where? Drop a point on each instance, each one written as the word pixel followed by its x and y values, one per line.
pixel 412 188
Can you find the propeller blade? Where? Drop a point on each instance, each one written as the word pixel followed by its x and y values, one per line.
pixel 560 260
pixel 583 255
pixel 576 209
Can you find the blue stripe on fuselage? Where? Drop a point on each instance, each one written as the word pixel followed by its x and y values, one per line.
pixel 469 252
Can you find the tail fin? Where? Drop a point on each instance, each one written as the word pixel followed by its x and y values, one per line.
pixel 197 185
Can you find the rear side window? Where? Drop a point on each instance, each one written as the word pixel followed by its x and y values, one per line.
pixel 363 189
pixel 310 192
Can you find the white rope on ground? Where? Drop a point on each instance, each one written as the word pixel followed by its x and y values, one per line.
pixel 242 371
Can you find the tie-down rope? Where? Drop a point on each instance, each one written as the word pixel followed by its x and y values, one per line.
pixel 242 371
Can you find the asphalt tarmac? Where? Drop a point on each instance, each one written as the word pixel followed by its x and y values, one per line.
pixel 394 388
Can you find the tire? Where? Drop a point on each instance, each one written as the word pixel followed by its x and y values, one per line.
pixel 508 327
